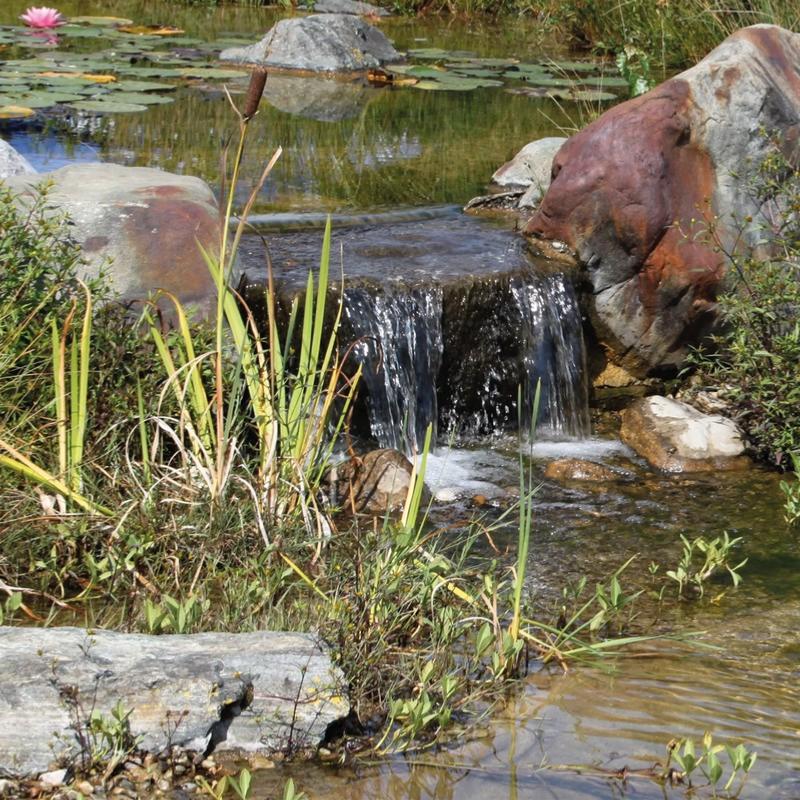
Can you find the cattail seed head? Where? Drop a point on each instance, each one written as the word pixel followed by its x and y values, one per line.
pixel 255 90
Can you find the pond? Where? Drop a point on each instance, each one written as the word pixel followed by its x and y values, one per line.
pixel 362 151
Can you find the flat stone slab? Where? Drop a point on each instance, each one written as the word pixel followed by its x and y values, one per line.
pixel 245 692
pixel 674 437
pixel 318 43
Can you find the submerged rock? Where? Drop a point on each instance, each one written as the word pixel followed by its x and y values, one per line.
pixel 319 43
pixel 627 189
pixel 376 483
pixel 674 437
pixel 577 469
pixel 244 692
pixel 141 226
pixel 349 7
pixel 12 163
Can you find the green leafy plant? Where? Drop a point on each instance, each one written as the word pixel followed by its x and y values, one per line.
pixel 174 616
pixel 291 793
pixel 701 559
pixel 707 761
pixel 9 606
pixel 754 360
pixel 111 738
pixel 634 65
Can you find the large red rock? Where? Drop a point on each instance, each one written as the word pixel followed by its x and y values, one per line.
pixel 632 193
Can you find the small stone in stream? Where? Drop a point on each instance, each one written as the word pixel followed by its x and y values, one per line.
pixel 53 778
pixel 84 787
pixel 576 469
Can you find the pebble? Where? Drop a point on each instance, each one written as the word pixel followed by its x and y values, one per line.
pixel 53 778
pixel 208 763
pixel 163 785
pixel 84 787
pixel 5 787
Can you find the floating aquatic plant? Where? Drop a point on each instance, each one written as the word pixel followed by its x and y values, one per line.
pixel 43 17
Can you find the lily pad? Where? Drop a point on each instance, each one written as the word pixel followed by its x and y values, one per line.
pixel 455 84
pixel 474 72
pixel 418 71
pixel 101 21
pixel 143 86
pixel 40 99
pixel 212 73
pixel 430 53
pixel 150 30
pixel 604 81
pixel 590 96
pixel 102 106
pixel 82 31
pixel 472 61
pixel 150 72
pixel 15 112
pixel 139 98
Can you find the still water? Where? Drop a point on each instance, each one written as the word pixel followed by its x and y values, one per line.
pixel 353 148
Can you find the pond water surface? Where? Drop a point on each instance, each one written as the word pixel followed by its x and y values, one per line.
pixel 359 149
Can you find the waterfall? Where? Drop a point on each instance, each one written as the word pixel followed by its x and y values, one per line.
pixel 419 364
pixel 398 341
pixel 553 352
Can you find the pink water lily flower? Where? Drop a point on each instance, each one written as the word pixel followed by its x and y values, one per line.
pixel 43 17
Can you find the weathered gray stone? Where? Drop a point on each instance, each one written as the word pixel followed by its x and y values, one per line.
pixel 530 168
pixel 316 98
pixel 243 692
pixel 12 163
pixel 675 437
pixel 349 7
pixel 318 43
pixel 146 222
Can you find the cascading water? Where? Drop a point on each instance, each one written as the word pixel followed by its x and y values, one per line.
pixel 448 316
pixel 553 353
pixel 398 335
pixel 400 343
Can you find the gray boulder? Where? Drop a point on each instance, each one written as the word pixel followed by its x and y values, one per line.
pixel 12 163
pixel 141 225
pixel 530 168
pixel 349 7
pixel 674 437
pixel 245 692
pixel 318 43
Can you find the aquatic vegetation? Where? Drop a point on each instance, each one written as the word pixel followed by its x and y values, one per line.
pixel 43 17
pixel 707 761
pixel 702 559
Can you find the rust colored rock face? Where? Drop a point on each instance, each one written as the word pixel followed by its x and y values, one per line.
pixel 628 191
